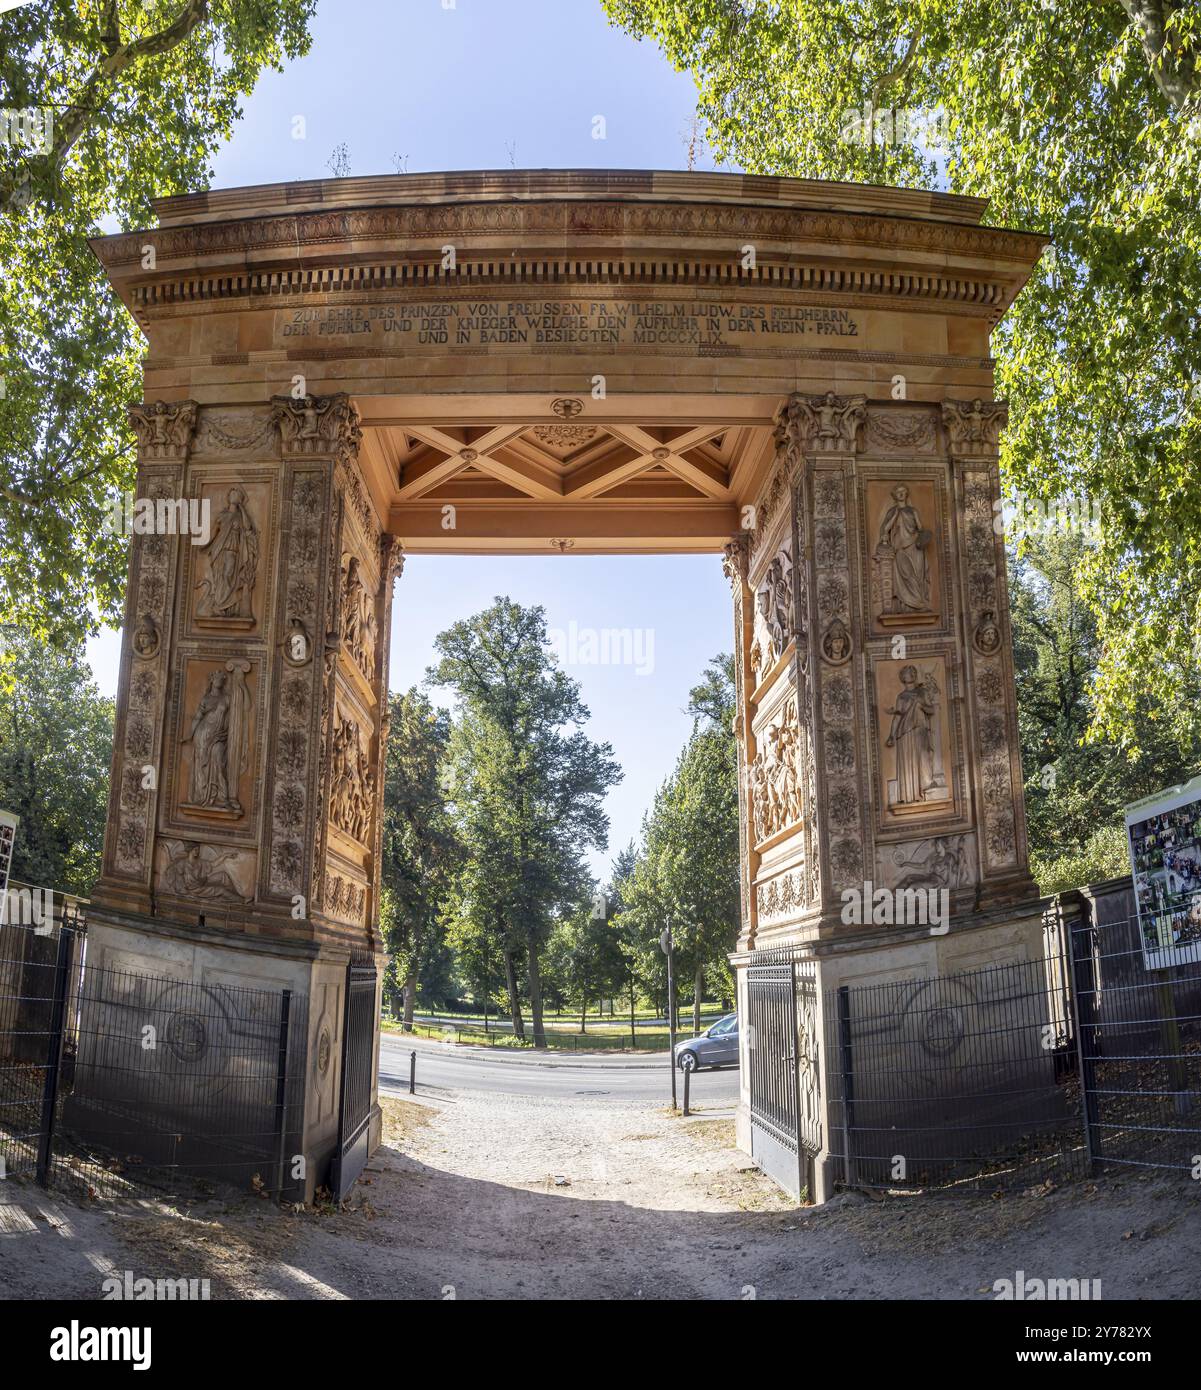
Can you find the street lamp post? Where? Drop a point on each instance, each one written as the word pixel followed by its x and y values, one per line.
pixel 666 944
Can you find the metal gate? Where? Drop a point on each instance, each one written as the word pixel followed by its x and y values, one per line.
pixel 782 1052
pixel 359 1027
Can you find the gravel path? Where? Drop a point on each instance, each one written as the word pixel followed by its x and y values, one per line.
pixel 530 1197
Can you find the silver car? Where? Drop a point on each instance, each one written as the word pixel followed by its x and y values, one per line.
pixel 717 1046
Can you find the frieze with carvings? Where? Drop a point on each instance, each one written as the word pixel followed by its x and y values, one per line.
pixel 352 781
pixel 781 897
pixel 903 431
pixel 317 426
pixel 775 779
pixel 205 873
pixel 936 861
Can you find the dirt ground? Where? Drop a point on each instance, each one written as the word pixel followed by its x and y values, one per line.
pixel 518 1197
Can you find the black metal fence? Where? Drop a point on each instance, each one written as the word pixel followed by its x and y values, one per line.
pixel 114 1082
pixel 1139 1048
pixel 963 1080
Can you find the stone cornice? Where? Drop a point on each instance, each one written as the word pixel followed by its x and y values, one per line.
pixel 524 185
pixel 612 242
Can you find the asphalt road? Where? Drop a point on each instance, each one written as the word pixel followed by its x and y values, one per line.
pixel 443 1069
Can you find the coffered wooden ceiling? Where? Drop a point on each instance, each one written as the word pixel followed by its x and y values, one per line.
pixel 595 485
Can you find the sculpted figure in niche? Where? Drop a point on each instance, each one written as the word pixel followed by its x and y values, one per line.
pixel 915 735
pixel 901 551
pixel 358 619
pixel 233 557
pixel 220 739
pixel 190 875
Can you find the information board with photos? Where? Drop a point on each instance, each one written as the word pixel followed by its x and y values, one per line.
pixel 8 838
pixel 1164 835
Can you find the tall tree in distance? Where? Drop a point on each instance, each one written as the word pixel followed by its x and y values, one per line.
pixel 116 103
pixel 1077 119
pixel 527 786
pixel 420 849
pixel 56 747
pixel 686 872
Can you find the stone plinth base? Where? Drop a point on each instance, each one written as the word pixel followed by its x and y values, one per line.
pixel 889 956
pixel 179 1053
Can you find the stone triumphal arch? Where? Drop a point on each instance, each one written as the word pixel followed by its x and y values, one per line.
pixel 793 374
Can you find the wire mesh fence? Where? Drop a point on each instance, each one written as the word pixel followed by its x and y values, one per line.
pixel 114 1082
pixel 1140 1047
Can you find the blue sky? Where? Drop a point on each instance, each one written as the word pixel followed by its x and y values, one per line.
pixel 489 84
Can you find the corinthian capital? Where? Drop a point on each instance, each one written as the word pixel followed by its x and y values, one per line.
pixel 735 558
pixel 327 426
pixel 164 429
pixel 826 424
pixel 974 427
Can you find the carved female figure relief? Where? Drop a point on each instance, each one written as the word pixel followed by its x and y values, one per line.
pixel 220 739
pixel 901 554
pixel 233 557
pixel 915 735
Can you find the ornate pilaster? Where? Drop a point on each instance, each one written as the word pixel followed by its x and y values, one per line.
pixel 734 564
pixel 164 432
pixel 973 435
pixel 827 429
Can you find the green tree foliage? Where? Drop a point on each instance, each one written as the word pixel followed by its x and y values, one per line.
pixel 139 94
pixel 420 851
pixel 686 873
pixel 527 788
pixel 56 745
pixel 584 958
pixel 1076 789
pixel 1078 119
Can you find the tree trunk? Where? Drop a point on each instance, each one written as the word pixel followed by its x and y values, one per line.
pixel 536 1000
pixel 583 1013
pixel 410 998
pixel 514 1000
pixel 698 989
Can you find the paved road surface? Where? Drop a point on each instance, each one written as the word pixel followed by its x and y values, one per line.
pixel 443 1069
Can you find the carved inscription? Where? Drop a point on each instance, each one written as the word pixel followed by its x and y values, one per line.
pixel 540 323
